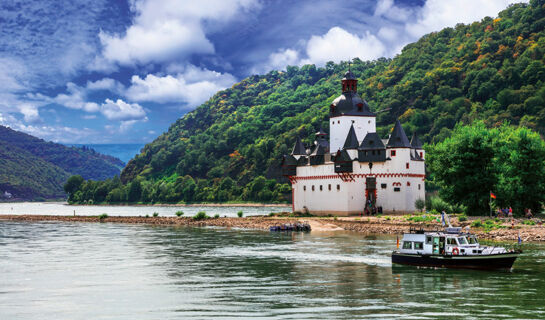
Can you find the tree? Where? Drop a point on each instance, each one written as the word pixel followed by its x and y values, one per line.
pixel 73 184
pixel 462 166
pixel 135 191
pixel 420 204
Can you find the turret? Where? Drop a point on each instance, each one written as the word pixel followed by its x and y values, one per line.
pixel 351 143
pixel 417 147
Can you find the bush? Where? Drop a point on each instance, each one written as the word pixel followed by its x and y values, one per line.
pixel 200 216
pixel 462 218
pixel 217 215
pixel 147 215
pixel 240 214
pixel 179 213
pixel 477 223
pixel 335 218
pixel 103 216
pixel 156 214
pixel 440 205
pixel 420 204
pixel 271 214
pixel 529 222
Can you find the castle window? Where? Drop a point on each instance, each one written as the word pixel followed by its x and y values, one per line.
pixel 378 152
pixel 383 185
pixel 329 187
pixel 421 155
pixel 408 184
pixel 397 189
pixel 419 186
pixel 304 188
pixel 338 187
pixel 313 188
pixel 369 121
pixel 332 122
pixel 321 188
pixel 373 152
pixel 407 165
pixel 393 153
pixel 338 121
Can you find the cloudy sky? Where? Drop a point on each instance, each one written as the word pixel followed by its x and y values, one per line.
pixel 121 71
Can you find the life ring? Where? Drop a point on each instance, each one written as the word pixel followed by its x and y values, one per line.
pixel 455 251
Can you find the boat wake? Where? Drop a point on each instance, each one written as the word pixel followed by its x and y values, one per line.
pixel 294 255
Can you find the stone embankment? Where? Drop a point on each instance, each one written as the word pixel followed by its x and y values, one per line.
pixel 372 225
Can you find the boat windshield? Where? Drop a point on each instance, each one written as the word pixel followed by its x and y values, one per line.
pixel 472 240
pixel 462 240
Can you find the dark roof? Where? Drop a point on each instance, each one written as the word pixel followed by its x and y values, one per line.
pixel 415 142
pixel 321 132
pixel 289 160
pixel 371 142
pixel 350 103
pixel 299 148
pixel 342 156
pixel 415 156
pixel 318 151
pixel 351 141
pixel 349 76
pixel 398 138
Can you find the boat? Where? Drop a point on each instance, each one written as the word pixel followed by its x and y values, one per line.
pixel 451 248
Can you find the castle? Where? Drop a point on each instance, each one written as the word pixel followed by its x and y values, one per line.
pixel 355 171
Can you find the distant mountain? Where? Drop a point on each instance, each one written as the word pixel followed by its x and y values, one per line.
pixel 123 151
pixel 33 168
pixel 229 148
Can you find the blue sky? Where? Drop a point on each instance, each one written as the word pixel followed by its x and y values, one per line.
pixel 122 71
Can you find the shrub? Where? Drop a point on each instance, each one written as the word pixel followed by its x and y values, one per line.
pixel 200 216
pixel 529 222
pixel 335 218
pixel 439 205
pixel 156 214
pixel 147 215
pixel 419 204
pixel 103 216
pixel 271 214
pixel 477 223
pixel 240 214
pixel 462 218
pixel 179 213
pixel 217 215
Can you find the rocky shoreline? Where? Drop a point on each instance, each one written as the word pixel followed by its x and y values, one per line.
pixel 371 225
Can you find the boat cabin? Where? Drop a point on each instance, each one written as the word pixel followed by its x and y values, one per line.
pixel 449 242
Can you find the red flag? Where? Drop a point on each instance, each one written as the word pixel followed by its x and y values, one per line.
pixel 492 195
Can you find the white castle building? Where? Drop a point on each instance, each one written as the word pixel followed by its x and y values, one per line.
pixel 356 170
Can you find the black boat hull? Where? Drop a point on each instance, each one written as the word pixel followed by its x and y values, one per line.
pixel 481 262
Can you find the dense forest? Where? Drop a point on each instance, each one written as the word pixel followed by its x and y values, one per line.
pixel 31 168
pixel 229 148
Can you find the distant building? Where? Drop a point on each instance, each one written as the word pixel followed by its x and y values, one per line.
pixel 355 170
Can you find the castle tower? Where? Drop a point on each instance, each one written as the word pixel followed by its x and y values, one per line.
pixel 349 109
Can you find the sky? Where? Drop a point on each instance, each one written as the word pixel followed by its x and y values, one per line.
pixel 121 71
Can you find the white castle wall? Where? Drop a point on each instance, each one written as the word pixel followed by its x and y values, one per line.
pixel 339 127
pixel 349 197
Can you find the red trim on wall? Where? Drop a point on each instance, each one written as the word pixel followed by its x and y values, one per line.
pixel 294 179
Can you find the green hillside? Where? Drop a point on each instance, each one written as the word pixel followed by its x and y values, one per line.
pixel 229 148
pixel 33 168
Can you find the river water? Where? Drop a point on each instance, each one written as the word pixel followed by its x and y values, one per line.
pixel 63 209
pixel 117 271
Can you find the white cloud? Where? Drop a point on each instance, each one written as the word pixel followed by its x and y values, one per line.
pixel 76 98
pixel 168 29
pixel 438 14
pixel 282 58
pixel 105 84
pixel 120 110
pixel 193 86
pixel 338 44
pixel 30 112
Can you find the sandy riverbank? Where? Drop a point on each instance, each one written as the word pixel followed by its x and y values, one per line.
pixel 371 225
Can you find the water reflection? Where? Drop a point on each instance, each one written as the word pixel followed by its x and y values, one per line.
pixel 115 271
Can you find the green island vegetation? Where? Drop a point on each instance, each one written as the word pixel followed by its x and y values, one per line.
pixel 33 169
pixel 447 87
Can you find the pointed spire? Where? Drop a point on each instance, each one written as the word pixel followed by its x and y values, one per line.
pixel 371 142
pixel 299 148
pixel 318 151
pixel 415 142
pixel 351 141
pixel 398 138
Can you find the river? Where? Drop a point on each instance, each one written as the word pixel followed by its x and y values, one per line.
pixel 117 271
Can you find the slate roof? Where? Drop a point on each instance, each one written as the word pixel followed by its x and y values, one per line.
pixel 342 156
pixel 299 148
pixel 415 142
pixel 351 141
pixel 350 103
pixel 371 142
pixel 398 138
pixel 318 151
pixel 289 160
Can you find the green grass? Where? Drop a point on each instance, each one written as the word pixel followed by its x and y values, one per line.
pixel 216 216
pixel 529 222
pixel 421 218
pixel 179 213
pixel 240 214
pixel 103 216
pixel 156 214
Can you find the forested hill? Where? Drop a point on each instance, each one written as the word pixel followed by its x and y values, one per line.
pixel 33 168
pixel 491 70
